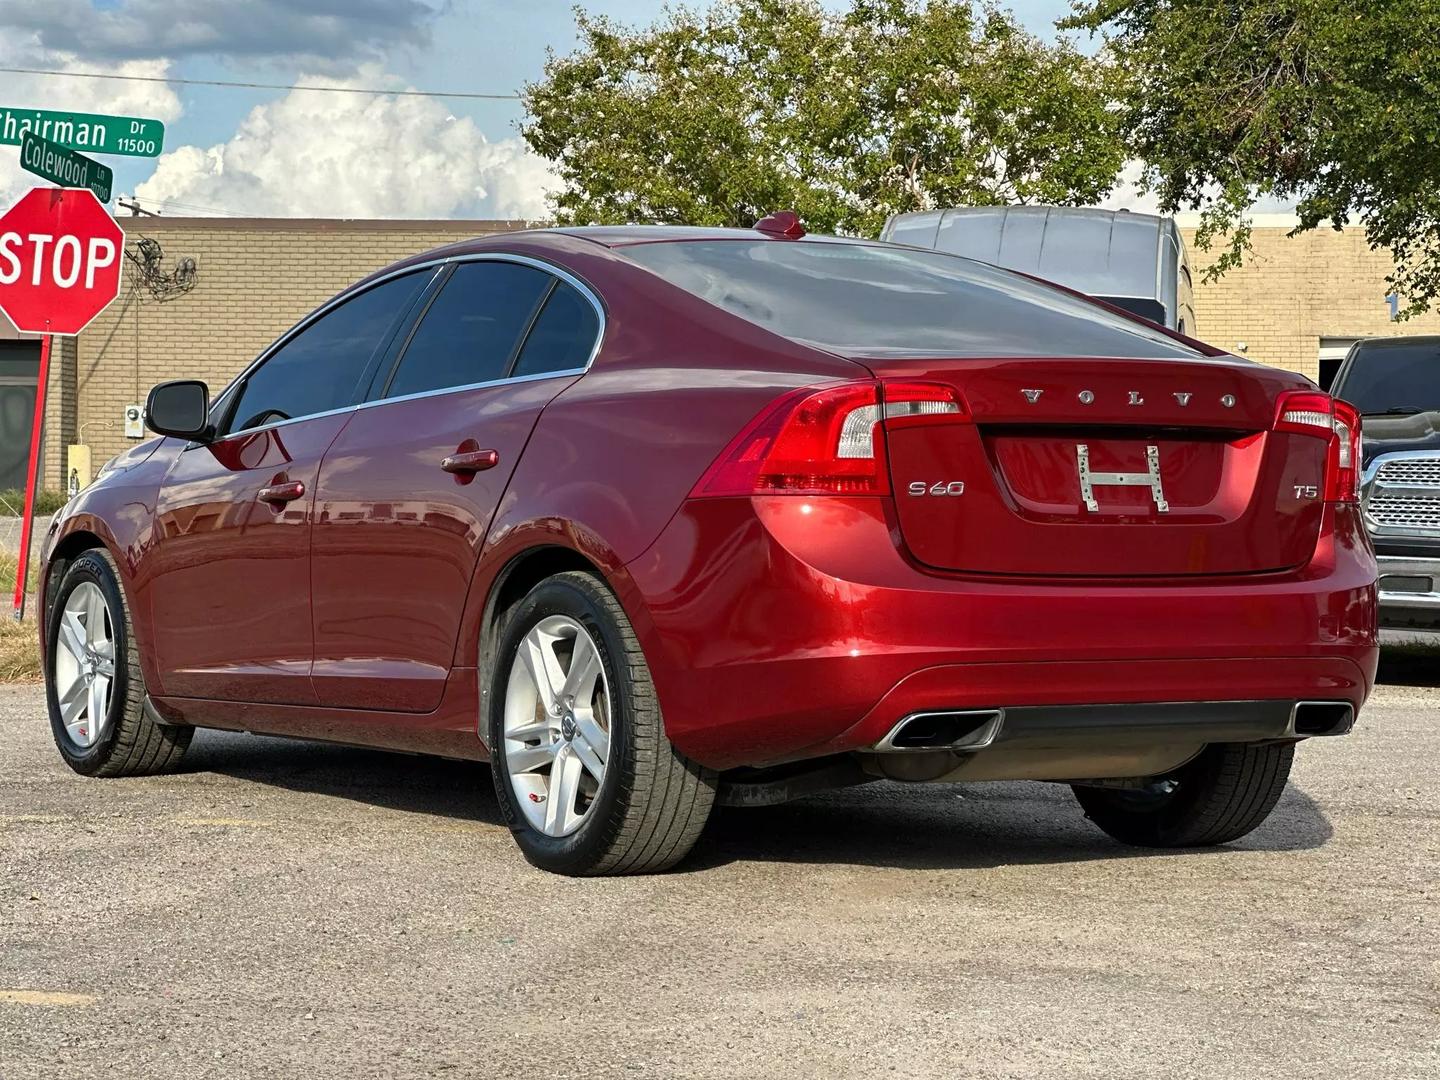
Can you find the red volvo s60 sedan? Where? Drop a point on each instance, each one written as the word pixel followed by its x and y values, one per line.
pixel 653 518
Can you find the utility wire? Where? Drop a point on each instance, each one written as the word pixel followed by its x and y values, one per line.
pixel 168 203
pixel 256 85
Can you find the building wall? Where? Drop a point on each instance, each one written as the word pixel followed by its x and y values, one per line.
pixel 1292 292
pixel 256 278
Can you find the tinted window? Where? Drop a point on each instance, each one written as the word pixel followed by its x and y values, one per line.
pixel 318 368
pixel 873 300
pixel 563 335
pixel 1139 305
pixel 470 331
pixel 1393 377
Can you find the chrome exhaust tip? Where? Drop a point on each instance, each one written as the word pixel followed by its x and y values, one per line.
pixel 1309 719
pixel 961 731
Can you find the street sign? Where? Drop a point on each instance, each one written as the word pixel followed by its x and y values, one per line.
pixel 53 162
pixel 60 256
pixel 130 135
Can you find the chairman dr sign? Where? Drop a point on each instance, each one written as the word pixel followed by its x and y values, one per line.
pixel 132 136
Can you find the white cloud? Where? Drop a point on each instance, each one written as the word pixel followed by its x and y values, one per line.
pixel 355 155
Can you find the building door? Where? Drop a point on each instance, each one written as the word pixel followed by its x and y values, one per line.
pixel 19 370
pixel 1332 354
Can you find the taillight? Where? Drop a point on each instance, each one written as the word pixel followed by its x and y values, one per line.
pixel 825 442
pixel 1308 412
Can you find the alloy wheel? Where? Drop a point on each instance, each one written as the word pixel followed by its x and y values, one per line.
pixel 84 664
pixel 557 712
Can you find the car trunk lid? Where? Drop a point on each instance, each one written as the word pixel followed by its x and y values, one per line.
pixel 1104 468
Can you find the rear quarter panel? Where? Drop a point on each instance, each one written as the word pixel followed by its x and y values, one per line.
pixel 614 456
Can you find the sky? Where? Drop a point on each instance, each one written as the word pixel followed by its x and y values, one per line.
pixel 256 152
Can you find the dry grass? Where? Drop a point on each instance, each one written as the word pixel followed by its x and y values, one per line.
pixel 19 647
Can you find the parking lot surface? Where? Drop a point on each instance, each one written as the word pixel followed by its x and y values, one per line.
pixel 293 910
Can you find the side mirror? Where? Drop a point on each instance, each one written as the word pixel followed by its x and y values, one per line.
pixel 180 408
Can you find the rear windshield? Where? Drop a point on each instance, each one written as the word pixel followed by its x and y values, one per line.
pixel 882 301
pixel 1398 378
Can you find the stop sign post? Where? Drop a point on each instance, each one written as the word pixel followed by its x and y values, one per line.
pixel 60 256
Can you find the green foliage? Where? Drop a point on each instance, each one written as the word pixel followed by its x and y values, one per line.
pixel 1329 103
pixel 718 117
pixel 12 501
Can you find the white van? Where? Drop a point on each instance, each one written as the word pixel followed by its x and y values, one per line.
pixel 1135 261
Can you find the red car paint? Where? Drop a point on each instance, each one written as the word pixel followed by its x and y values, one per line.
pixel 776 626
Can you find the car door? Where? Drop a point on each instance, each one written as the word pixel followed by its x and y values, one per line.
pixel 409 488
pixel 229 584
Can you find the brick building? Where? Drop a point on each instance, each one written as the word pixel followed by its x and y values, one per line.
pixel 1299 300
pixel 1294 301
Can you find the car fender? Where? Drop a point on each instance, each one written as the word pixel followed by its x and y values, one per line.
pixel 118 509
pixel 506 547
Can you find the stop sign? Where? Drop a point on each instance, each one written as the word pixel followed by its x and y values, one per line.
pixel 60 255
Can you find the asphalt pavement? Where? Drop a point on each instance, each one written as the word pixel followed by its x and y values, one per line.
pixel 283 909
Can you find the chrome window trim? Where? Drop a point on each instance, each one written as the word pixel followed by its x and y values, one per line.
pixel 432 265
pixel 1367 488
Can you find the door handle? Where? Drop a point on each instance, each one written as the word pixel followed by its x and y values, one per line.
pixel 281 493
pixel 471 461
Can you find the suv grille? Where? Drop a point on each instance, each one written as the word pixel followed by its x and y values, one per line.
pixel 1405 494
pixel 1411 472
pixel 1405 511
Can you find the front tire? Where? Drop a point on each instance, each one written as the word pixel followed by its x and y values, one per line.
pixel 94 689
pixel 585 777
pixel 1218 797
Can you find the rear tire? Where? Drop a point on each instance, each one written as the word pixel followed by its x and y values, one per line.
pixel 649 804
pixel 1218 797
pixel 94 688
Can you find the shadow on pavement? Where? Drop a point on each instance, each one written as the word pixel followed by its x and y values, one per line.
pixel 414 783
pixel 880 824
pixel 944 827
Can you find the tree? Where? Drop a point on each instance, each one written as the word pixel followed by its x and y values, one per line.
pixel 1332 104
pixel 717 118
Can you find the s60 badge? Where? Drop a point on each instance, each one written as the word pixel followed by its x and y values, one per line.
pixel 939 487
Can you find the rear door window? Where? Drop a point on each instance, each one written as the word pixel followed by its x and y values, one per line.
pixel 563 335
pixel 471 330
pixel 320 367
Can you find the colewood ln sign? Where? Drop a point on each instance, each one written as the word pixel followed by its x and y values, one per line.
pixel 65 167
pixel 132 136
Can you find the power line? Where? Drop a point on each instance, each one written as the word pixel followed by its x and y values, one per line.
pixel 193 206
pixel 256 85
pixel 133 204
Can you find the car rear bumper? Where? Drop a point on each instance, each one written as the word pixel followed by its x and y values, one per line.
pixel 1409 591
pixel 785 628
pixel 1112 741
